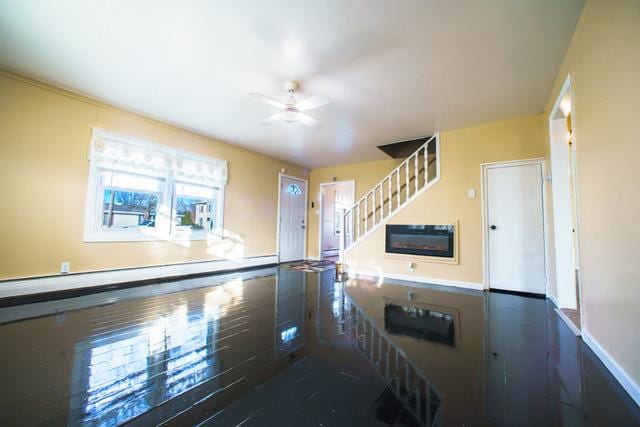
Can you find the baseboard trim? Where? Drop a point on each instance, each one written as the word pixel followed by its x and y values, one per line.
pixel 517 293
pixel 330 252
pixel 553 299
pixel 419 279
pixel 65 282
pixel 616 370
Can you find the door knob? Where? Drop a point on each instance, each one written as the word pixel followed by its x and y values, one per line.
pixel 493 227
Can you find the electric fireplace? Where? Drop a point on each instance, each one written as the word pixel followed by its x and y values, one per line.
pixel 425 240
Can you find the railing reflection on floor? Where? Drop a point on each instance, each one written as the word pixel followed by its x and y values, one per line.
pixel 406 382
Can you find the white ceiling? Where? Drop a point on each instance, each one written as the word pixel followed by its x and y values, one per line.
pixel 396 70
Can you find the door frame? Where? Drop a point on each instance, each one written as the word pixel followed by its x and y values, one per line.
pixel 567 86
pixel 306 213
pixel 320 223
pixel 484 167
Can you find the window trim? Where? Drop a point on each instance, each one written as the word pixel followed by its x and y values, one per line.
pixel 164 230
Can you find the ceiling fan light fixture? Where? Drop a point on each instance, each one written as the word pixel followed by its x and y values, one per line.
pixel 293 111
pixel 290 115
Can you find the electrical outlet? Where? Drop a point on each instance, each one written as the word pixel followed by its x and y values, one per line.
pixel 65 267
pixel 471 193
pixel 412 266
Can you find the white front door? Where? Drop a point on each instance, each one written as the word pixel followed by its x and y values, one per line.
pixel 292 219
pixel 515 228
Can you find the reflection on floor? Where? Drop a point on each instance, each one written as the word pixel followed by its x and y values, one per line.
pixel 573 316
pixel 284 347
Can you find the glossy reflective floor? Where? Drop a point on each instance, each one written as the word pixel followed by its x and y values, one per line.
pixel 282 347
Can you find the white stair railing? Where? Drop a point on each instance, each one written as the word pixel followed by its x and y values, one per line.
pixel 408 180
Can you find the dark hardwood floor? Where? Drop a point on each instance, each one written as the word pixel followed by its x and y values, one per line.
pixel 282 347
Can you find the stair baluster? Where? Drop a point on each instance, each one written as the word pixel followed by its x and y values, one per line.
pixel 366 212
pixel 415 178
pixel 390 204
pixel 381 203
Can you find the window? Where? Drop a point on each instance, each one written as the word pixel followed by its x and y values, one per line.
pixel 294 189
pixel 196 208
pixel 144 191
pixel 129 201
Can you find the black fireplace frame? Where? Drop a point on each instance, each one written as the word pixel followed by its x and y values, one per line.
pixel 448 230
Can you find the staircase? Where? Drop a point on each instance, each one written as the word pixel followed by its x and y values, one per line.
pixel 415 175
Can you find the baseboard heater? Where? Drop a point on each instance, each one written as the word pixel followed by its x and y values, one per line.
pixel 36 289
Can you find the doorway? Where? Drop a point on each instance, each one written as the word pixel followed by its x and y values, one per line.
pixel 565 216
pixel 292 218
pixel 514 226
pixel 335 198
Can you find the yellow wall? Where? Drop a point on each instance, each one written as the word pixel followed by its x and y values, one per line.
pixel 603 60
pixel 44 140
pixel 462 153
pixel 366 175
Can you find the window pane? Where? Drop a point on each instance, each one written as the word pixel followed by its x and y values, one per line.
pixel 130 182
pixel 129 201
pixel 196 207
pixel 294 189
pixel 197 191
pixel 129 209
pixel 195 214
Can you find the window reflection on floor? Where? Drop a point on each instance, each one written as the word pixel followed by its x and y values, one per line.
pixel 117 373
pixel 289 318
pixel 337 299
pixel 122 375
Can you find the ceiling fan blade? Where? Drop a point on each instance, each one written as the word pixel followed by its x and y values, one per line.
pixel 272 119
pixel 313 102
pixel 307 120
pixel 268 100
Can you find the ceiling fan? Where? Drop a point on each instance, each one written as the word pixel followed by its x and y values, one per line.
pixel 292 110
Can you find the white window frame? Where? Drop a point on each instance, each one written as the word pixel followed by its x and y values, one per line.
pixel 166 212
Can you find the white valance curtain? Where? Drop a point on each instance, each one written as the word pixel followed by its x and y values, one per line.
pixel 120 152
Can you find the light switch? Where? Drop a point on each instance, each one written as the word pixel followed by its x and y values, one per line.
pixel 471 193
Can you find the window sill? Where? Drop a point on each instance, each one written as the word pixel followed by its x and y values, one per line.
pixel 205 235
pixel 135 236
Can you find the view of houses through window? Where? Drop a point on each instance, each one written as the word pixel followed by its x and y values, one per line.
pixel 196 207
pixel 129 201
